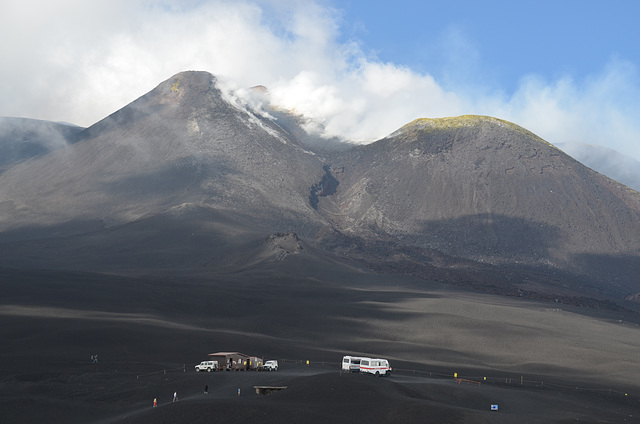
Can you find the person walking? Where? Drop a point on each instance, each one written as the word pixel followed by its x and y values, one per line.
pixel 175 396
pixel 155 402
pixel 206 389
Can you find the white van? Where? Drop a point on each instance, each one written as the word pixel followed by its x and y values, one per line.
pixel 351 363
pixel 375 366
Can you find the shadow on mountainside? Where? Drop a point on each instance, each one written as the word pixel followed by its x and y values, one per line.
pixel 184 179
pixel 618 273
pixel 494 238
pixel 191 240
pixel 490 253
pixel 598 281
pixel 519 245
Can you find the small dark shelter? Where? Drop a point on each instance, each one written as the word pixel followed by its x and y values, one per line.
pixel 233 361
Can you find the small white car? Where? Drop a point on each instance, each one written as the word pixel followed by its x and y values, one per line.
pixel 207 366
pixel 270 366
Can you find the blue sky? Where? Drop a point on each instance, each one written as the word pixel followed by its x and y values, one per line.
pixel 496 42
pixel 567 70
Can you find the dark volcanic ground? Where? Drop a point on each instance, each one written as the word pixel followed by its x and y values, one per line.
pixel 150 332
pixel 317 393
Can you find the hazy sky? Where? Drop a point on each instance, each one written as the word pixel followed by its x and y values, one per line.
pixel 566 70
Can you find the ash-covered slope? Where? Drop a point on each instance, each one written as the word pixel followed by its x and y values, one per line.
pixel 487 190
pixel 613 164
pixel 22 139
pixel 181 144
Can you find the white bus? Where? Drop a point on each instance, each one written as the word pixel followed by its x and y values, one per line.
pixel 375 366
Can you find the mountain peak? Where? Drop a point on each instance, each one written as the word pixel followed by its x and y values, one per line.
pixel 458 122
pixel 185 83
pixel 176 97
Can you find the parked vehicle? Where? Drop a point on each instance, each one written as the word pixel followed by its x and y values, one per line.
pixel 375 366
pixel 351 363
pixel 207 366
pixel 270 366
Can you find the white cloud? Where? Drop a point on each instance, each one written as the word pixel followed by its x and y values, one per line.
pixel 600 110
pixel 78 61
